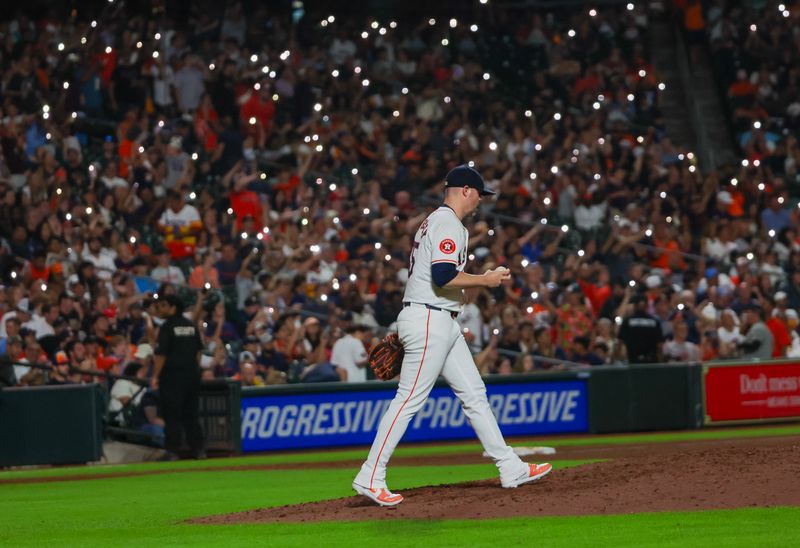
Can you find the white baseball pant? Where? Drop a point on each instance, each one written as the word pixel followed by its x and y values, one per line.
pixel 434 345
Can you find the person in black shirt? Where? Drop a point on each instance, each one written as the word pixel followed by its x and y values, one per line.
pixel 362 244
pixel 176 375
pixel 641 333
pixel 223 91
pixel 68 312
pixel 611 305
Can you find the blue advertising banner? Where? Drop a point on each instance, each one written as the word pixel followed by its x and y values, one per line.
pixel 351 418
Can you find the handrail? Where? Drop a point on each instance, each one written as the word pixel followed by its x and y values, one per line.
pixel 570 365
pixel 90 372
pixel 706 153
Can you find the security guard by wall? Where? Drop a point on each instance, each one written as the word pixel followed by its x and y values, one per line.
pixel 177 376
pixel 641 333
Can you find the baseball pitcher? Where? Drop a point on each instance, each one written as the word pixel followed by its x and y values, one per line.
pixel 434 345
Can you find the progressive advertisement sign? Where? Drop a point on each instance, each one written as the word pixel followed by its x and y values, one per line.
pixel 351 418
pixel 751 393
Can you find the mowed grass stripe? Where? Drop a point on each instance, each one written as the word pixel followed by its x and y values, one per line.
pixel 336 455
pixel 149 510
pixel 109 510
pixel 729 528
pixel 761 527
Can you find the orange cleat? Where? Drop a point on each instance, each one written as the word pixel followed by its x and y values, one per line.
pixel 535 472
pixel 380 496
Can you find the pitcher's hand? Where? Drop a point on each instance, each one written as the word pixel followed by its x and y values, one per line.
pixel 497 276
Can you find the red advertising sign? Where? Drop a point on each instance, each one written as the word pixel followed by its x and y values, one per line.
pixel 753 392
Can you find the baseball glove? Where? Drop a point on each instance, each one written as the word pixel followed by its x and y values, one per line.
pixel 386 357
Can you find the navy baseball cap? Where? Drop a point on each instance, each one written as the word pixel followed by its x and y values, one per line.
pixel 464 175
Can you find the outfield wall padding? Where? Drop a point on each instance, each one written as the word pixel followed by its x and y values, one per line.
pixel 644 397
pixel 51 425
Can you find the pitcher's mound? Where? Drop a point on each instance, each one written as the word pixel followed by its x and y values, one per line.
pixel 727 476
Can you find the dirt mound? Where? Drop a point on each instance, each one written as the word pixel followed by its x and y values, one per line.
pixel 728 475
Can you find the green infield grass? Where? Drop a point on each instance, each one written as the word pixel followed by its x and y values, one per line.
pixel 150 510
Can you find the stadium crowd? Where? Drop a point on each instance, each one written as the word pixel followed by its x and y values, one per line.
pixel 756 56
pixel 273 173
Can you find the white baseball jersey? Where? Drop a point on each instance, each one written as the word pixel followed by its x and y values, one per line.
pixel 434 346
pixel 441 238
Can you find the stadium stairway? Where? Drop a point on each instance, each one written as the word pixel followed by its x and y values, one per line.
pixel 705 88
pixel 692 108
pixel 674 102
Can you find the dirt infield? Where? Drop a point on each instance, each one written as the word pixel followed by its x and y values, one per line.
pixel 694 475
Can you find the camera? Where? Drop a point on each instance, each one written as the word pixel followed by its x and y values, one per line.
pixel 211 301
